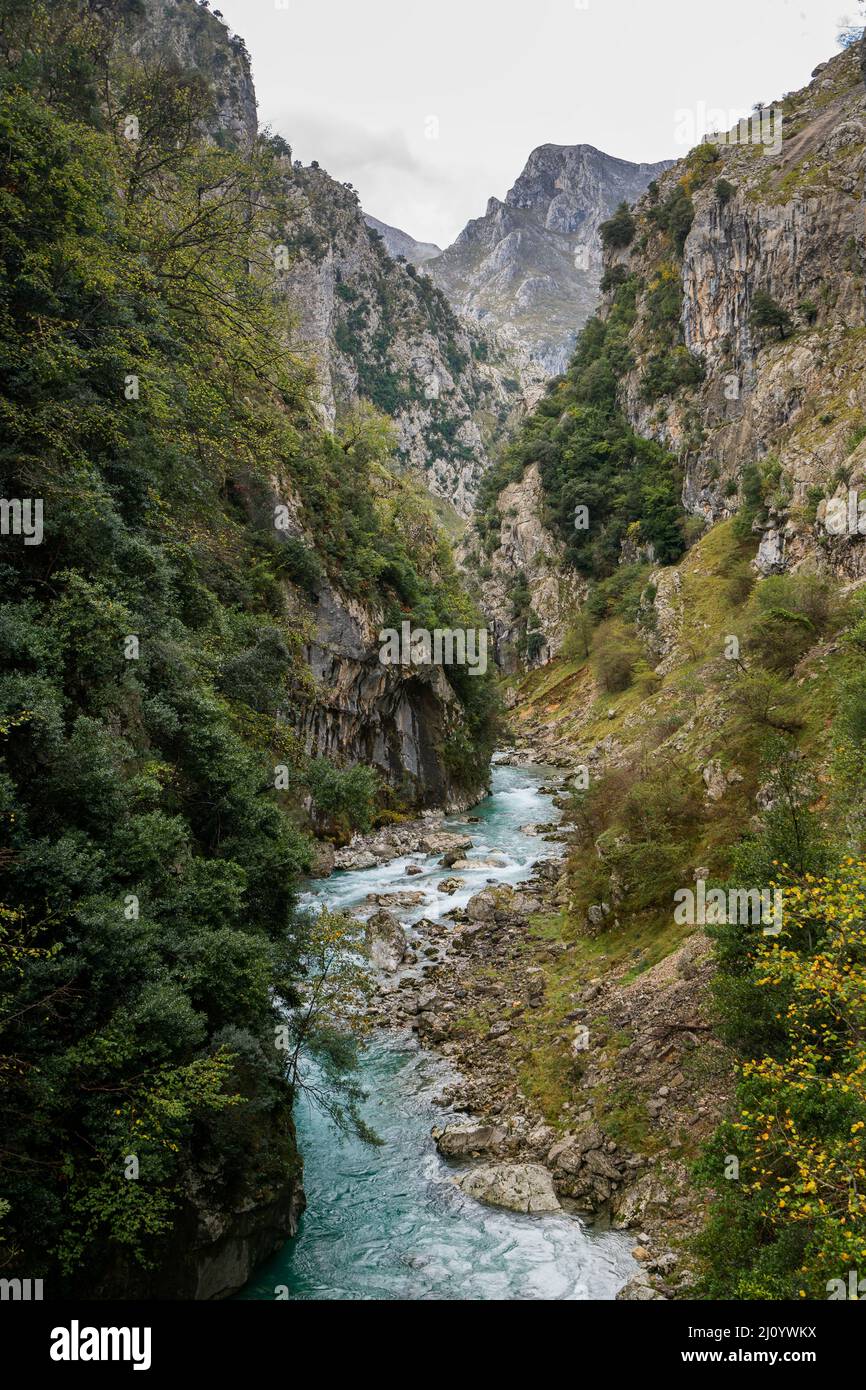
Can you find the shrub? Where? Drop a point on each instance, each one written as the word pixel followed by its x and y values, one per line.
pixel 344 799
pixel 618 231
pixel 766 313
pixel 612 278
pixel 615 655
pixel 675 216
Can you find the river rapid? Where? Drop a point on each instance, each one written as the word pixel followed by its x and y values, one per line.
pixel 387 1222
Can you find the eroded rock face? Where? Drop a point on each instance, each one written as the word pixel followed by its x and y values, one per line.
pixel 526 1187
pixel 391 718
pixel 198 42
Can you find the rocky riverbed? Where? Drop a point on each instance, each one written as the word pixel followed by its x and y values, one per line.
pixel 479 981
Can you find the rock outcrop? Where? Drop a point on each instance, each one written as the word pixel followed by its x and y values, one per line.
pixel 528 557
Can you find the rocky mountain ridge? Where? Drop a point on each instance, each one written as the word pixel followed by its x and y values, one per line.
pixel 399 243
pixel 531 265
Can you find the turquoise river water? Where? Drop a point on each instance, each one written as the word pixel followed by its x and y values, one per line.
pixel 387 1222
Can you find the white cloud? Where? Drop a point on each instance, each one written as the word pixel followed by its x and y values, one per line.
pixel 356 85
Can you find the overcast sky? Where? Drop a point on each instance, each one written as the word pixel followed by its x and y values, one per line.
pixel 430 106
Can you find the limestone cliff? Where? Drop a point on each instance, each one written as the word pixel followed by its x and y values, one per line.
pixel 770 306
pixel 525 586
pixel 531 266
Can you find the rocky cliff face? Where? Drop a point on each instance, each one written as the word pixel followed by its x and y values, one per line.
pixel 789 400
pixel 379 330
pixel 394 719
pixel 525 586
pixel 183 34
pixel 531 266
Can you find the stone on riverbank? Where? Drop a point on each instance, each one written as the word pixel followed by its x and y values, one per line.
pixel 466 1140
pixel 526 1187
pixel 385 940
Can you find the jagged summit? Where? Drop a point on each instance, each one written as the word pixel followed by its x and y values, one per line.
pixel 531 266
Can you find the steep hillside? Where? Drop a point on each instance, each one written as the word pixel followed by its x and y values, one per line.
pixel 380 331
pixel 706 705
pixel 530 267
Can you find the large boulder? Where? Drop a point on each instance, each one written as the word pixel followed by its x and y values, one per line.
pixel 646 1198
pixel 385 940
pixel 526 1187
pixel 401 899
pixel 481 908
pixel 465 1140
pixel 443 842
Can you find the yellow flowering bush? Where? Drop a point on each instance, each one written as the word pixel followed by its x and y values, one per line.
pixel 796 1197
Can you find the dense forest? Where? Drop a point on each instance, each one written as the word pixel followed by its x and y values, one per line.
pixel 152 675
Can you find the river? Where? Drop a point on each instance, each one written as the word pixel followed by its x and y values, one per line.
pixel 386 1222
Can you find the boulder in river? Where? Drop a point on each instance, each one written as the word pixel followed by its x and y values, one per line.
pixel 444 842
pixel 449 886
pixel 464 1140
pixel 385 940
pixel 462 866
pixel 481 908
pixel 526 1187
pixel 404 899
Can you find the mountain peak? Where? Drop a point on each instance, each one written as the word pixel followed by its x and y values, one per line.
pixel 532 264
